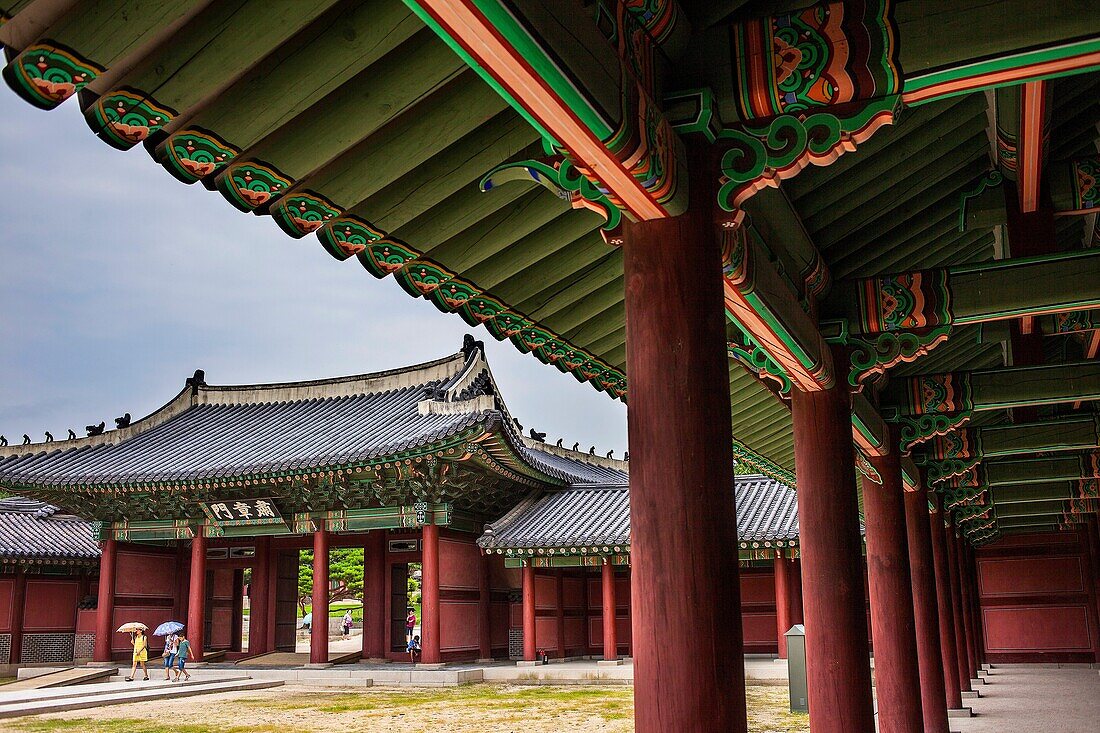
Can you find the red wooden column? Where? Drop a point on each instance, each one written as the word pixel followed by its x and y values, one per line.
pixel 528 612
pixel 837 648
pixel 897 676
pixel 685 591
pixel 794 574
pixel 1092 538
pixel 374 588
pixel 429 597
pixel 925 614
pixel 18 613
pixel 948 658
pixel 782 600
pixel 979 632
pixel 196 597
pixel 956 611
pixel 559 593
pixel 105 608
pixel 966 595
pixel 259 610
pixel 318 630
pixel 610 644
pixel 484 610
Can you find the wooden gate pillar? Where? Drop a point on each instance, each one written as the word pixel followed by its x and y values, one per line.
pixel 925 614
pixel 956 610
pixel 196 597
pixel 897 676
pixel 375 622
pixel 259 609
pixel 559 615
pixel 782 601
pixel 948 653
pixel 529 647
pixel 484 610
pixel 837 649
pixel 105 609
pixel 607 577
pixel 18 614
pixel 429 597
pixel 318 630
pixel 685 592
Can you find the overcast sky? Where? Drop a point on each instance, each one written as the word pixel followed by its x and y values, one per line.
pixel 117 282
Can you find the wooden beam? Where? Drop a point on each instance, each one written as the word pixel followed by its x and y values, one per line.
pixel 965 294
pixel 969 45
pixel 1033 492
pixel 961 393
pixel 533 54
pixel 1067 434
pixel 764 305
pixel 1034 131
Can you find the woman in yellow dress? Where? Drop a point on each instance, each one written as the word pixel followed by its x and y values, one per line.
pixel 141 654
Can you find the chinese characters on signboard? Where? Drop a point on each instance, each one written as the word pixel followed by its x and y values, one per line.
pixel 244 511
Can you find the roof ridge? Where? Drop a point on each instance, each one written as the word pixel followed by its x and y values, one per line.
pixel 193 395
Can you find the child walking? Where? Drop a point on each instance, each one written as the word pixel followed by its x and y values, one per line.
pixel 183 651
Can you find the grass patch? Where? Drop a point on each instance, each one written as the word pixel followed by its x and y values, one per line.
pixel 476 708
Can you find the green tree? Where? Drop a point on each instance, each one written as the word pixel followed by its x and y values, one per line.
pixel 345 569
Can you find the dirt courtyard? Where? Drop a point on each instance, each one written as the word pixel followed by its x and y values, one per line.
pixel 484 708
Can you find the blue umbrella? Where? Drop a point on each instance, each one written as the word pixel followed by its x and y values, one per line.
pixel 168 627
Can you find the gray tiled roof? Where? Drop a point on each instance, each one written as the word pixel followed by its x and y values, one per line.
pixel 34 531
pixel 766 510
pixel 579 515
pixel 219 432
pixel 600 515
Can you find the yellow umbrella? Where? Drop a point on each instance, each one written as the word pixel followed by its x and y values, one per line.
pixel 131 627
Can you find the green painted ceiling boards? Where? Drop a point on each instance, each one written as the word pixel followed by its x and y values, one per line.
pixel 352 121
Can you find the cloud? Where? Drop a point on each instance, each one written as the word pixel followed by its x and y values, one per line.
pixel 117 281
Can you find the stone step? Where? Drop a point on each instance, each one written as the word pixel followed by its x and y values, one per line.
pixel 104 688
pixel 59 678
pixel 127 693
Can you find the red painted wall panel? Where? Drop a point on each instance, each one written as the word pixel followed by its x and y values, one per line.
pixel 546 592
pixel 595 593
pixel 759 628
pixel 499 619
pixel 546 633
pixel 574 632
pixel 221 620
pixel 85 621
pixel 222 587
pixel 573 593
pixel 51 605
pixel 458 564
pixel 7 585
pixel 151 617
pixel 144 574
pixel 622 591
pixel 458 626
pixel 1036 601
pixel 1021 576
pixel 1037 629
pixel 757 587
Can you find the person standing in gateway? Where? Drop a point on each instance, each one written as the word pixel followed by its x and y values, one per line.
pixel 410 624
